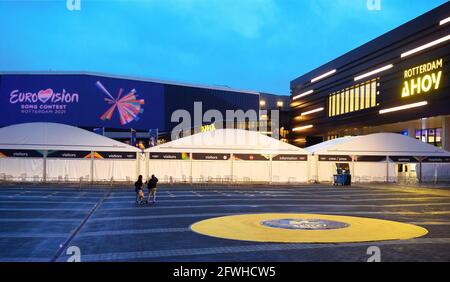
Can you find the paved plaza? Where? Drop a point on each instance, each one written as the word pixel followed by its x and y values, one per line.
pixel 38 223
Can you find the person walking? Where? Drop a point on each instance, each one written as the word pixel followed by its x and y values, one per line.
pixel 138 189
pixel 151 186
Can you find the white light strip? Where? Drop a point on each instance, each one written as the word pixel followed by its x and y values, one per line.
pixel 303 94
pixel 374 72
pixel 444 21
pixel 428 45
pixel 404 107
pixel 302 127
pixel 312 111
pixel 323 75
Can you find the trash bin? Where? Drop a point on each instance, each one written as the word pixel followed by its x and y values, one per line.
pixel 338 179
pixel 348 179
pixel 342 179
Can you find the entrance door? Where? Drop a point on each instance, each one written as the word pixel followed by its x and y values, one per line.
pixel 406 173
pixel 342 168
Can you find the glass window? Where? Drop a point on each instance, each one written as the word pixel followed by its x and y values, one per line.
pixel 347 100
pixel 418 134
pixel 438 135
pixel 338 104
pixel 424 136
pixel 373 91
pixel 329 106
pixel 431 136
pixel 367 95
pixel 333 105
pixel 361 97
pixel 352 99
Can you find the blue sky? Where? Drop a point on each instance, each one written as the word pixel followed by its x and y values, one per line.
pixel 248 44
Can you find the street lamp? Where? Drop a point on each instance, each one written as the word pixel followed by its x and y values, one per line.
pixel 262 103
pixel 280 104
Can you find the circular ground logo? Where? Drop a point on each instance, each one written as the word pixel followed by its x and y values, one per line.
pixel 304 223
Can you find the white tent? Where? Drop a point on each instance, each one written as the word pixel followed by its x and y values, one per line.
pixel 228 155
pixel 375 157
pixel 57 152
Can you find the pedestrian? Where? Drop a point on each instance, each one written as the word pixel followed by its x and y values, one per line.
pixel 151 185
pixel 138 189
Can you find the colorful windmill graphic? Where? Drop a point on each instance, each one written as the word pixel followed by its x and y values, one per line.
pixel 128 106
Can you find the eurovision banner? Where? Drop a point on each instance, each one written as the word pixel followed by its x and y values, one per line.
pixel 75 99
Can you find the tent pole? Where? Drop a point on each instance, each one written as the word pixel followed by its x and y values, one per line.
pixel 308 168
pixel 420 171
pixel 232 167
pixel 190 168
pixel 315 167
pixel 353 169
pixel 147 164
pixel 92 166
pixel 44 175
pixel 435 173
pixel 138 165
pixel 270 171
pixel 387 169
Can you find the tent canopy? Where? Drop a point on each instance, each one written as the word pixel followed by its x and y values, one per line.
pixel 229 141
pixel 56 136
pixel 377 144
pixel 327 144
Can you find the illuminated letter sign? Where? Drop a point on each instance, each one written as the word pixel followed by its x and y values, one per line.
pixel 209 127
pixel 423 78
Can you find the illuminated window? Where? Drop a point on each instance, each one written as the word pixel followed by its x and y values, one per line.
pixel 329 106
pixel 361 97
pixel 438 135
pixel 333 105
pixel 347 101
pixel 423 138
pixel 357 97
pixel 352 99
pixel 367 95
pixel 430 135
pixel 373 91
pixel 338 103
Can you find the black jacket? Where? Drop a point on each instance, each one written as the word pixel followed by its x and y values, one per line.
pixel 137 186
pixel 152 183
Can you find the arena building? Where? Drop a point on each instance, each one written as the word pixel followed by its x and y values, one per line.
pixel 398 82
pixel 124 108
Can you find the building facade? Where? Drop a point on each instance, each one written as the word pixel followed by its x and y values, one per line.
pixel 133 110
pixel 269 102
pixel 397 82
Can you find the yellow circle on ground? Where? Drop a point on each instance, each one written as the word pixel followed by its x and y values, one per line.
pixel 249 227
